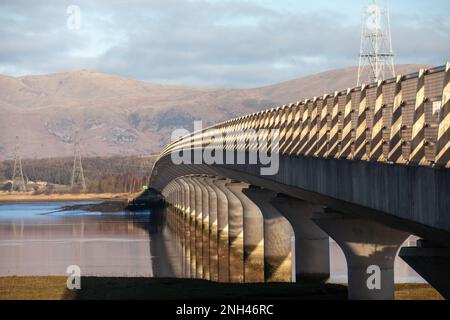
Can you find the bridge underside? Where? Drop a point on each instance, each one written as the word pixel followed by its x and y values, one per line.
pixel 310 193
pixel 412 199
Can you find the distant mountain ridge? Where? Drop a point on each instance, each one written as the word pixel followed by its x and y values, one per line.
pixel 120 116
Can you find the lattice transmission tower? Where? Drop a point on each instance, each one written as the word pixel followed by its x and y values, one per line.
pixel 376 57
pixel 18 181
pixel 77 179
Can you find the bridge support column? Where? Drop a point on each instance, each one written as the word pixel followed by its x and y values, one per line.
pixel 212 227
pixel 253 229
pixel 172 195
pixel 312 253
pixel 432 262
pixel 279 245
pixel 192 224
pixel 370 249
pixel 223 250
pixel 198 228
pixel 187 230
pixel 180 223
pixel 235 233
pixel 204 227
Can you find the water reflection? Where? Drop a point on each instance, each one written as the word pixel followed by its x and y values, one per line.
pixel 186 243
pixel 36 239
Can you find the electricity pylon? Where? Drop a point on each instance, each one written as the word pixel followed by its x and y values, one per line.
pixel 18 182
pixel 376 58
pixel 77 179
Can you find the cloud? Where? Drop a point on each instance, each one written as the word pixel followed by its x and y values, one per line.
pixel 201 43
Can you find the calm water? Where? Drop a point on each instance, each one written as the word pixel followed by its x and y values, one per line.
pixel 37 239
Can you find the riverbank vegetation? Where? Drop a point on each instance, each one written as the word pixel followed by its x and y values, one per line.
pixel 30 197
pixel 103 174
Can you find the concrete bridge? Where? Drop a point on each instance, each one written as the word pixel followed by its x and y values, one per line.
pixel 257 197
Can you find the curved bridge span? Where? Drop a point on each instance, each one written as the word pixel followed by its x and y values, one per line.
pixel 368 166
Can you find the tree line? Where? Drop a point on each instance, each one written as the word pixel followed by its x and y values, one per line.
pixel 102 174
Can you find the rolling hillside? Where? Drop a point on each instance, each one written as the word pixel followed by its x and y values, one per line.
pixel 119 116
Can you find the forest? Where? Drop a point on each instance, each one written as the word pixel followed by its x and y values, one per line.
pixel 102 174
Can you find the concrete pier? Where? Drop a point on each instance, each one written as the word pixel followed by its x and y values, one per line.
pixel 223 246
pixel 192 233
pixel 180 214
pixel 253 233
pixel 235 233
pixel 187 229
pixel 312 253
pixel 370 249
pixel 278 235
pixel 205 227
pixel 198 228
pixel 213 234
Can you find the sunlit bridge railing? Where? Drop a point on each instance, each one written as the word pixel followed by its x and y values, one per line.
pixel 403 120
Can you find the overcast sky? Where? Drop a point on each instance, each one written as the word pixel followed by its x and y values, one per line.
pixel 213 43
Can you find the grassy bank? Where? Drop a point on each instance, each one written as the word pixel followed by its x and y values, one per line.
pixel 54 288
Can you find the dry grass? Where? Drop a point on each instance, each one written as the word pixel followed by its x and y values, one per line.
pixel 54 288
pixel 416 291
pixel 32 288
pixel 127 288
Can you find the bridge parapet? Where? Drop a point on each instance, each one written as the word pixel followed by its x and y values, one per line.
pixel 403 120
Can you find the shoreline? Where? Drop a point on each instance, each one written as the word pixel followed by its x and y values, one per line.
pixel 105 206
pixel 28 197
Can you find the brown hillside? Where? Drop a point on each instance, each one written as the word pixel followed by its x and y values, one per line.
pixel 119 116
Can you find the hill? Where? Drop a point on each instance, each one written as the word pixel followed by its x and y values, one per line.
pixel 119 116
